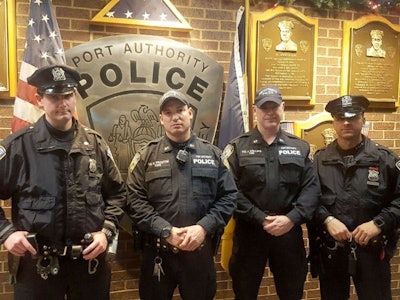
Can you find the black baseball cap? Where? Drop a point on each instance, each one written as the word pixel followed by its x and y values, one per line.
pixel 172 95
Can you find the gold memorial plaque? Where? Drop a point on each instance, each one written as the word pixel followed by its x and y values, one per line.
pixel 282 53
pixel 371 48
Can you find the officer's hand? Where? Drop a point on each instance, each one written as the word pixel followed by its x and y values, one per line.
pixel 98 246
pixel 277 225
pixel 365 232
pixel 194 238
pixel 338 230
pixel 17 244
pixel 177 236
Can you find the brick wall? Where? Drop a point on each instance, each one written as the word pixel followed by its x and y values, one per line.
pixel 213 25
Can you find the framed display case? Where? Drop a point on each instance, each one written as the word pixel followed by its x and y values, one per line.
pixel 8 57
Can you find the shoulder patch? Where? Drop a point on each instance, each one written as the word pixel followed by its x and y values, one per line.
pixel 397 164
pixel 228 150
pixel 134 162
pixel 3 152
pixel 109 153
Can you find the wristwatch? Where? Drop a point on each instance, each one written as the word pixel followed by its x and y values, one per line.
pixel 379 223
pixel 166 232
pixel 109 234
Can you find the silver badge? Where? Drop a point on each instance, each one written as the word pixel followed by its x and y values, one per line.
pixel 58 74
pixel 92 165
pixel 373 176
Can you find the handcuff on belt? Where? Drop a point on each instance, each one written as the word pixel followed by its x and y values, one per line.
pixel 47 257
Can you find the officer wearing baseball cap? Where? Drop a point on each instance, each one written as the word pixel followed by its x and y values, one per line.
pixel 55 79
pixel 271 207
pixel 172 95
pixel 347 106
pixel 180 197
pixel 67 194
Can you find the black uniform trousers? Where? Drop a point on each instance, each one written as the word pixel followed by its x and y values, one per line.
pixel 73 280
pixel 372 278
pixel 192 272
pixel 253 248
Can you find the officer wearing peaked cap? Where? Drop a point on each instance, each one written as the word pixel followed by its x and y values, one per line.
pixel 354 232
pixel 347 106
pixel 67 194
pixel 55 79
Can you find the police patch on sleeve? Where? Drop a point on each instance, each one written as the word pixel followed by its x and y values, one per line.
pixel 134 162
pixel 226 154
pixel 397 164
pixel 3 152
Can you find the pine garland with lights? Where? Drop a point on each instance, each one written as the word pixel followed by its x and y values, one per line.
pixel 374 6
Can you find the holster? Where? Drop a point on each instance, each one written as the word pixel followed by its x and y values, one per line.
pixel 316 243
pixel 216 240
pixel 139 239
pixel 13 265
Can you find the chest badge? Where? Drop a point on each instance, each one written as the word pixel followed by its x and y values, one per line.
pixel 92 165
pixel 373 176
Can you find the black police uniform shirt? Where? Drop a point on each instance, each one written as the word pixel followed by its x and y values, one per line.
pixel 60 190
pixel 273 179
pixel 359 189
pixel 163 191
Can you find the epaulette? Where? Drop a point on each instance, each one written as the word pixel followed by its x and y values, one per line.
pixel 152 142
pixel 243 135
pixel 15 135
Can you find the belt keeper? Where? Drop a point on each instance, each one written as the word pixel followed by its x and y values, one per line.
pixel 76 251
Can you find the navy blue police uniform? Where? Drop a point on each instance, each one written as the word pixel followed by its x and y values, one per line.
pixel 358 185
pixel 62 185
pixel 274 179
pixel 167 188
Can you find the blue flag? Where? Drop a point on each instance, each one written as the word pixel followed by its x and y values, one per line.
pixel 235 116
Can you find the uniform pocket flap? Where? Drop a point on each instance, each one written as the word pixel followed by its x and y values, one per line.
pixel 205 172
pixel 162 173
pixel 41 203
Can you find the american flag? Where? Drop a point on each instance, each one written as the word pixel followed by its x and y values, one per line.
pixel 43 47
pixel 146 10
pixel 161 13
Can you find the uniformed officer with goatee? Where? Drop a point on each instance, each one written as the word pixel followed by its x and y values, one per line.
pixel 278 192
pixel 355 229
pixel 180 197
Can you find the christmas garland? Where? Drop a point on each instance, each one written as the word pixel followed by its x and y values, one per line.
pixel 375 6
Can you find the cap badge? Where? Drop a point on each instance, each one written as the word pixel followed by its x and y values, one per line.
pixel 346 101
pixel 267 91
pixel 58 74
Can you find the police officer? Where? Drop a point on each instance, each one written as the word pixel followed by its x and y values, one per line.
pixel 180 194
pixel 278 191
pixel 360 207
pixel 66 194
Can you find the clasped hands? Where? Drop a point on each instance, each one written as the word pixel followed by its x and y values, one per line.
pixel 187 238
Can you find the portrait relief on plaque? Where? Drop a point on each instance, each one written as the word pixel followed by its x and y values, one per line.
pixel 283 47
pixel 286 32
pixel 370 64
pixel 376 49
